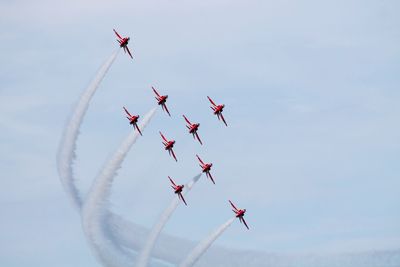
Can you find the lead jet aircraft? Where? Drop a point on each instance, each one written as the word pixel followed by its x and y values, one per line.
pixel 133 120
pixel 161 99
pixel 178 189
pixel 123 42
pixel 206 168
pixel 193 127
pixel 169 144
pixel 239 214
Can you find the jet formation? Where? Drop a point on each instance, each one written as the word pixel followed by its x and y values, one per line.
pixel 192 129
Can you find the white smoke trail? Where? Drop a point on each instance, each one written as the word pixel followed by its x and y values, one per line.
pixel 66 153
pixel 145 254
pixel 94 211
pixel 202 247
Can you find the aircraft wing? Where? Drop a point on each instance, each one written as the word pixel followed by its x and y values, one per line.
pixel 186 119
pixel 223 119
pixel 129 52
pixel 154 90
pixel 163 137
pixel 245 223
pixel 172 181
pixel 166 109
pixel 212 102
pixel 198 138
pixel 181 196
pixel 200 159
pixel 119 36
pixel 209 175
pixel 173 154
pixel 137 127
pixel 233 205
pixel 127 112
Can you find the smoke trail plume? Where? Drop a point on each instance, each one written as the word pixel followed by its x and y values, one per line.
pixel 66 153
pixel 145 254
pixel 202 247
pixel 95 213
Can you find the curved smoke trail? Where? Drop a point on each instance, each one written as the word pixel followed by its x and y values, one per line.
pixel 66 153
pixel 67 147
pixel 94 211
pixel 171 248
pixel 202 247
pixel 66 156
pixel 145 254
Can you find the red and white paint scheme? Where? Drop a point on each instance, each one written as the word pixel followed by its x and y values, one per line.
pixel 169 144
pixel 178 189
pixel 161 99
pixel 217 110
pixel 193 127
pixel 123 42
pixel 133 120
pixel 206 167
pixel 239 214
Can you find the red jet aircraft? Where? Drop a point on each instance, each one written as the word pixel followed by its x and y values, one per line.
pixel 133 120
pixel 161 100
pixel 169 145
pixel 206 168
pixel 178 189
pixel 123 42
pixel 193 127
pixel 239 214
pixel 217 110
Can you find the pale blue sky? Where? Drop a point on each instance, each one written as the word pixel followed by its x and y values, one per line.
pixel 312 101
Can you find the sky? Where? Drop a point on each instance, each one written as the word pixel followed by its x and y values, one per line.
pixel 311 94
